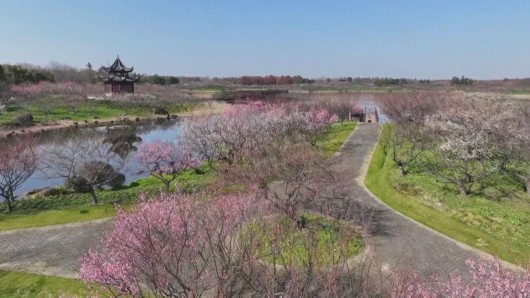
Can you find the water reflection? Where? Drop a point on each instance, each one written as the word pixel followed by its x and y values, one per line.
pixel 121 140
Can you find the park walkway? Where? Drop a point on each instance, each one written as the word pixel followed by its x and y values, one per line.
pixel 52 250
pixel 396 240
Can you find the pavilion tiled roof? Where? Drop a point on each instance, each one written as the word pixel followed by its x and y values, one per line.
pixel 117 66
pixel 117 72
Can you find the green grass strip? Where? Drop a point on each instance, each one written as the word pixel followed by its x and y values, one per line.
pixel 378 180
pixel 334 137
pixel 56 217
pixel 16 284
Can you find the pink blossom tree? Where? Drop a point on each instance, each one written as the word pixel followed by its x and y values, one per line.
pixel 165 161
pixel 174 246
pixel 178 245
pixel 246 128
pixel 18 161
pixel 320 118
pixel 488 280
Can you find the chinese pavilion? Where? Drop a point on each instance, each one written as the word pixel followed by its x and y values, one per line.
pixel 117 78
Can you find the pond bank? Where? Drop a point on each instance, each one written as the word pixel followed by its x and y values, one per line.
pixel 38 128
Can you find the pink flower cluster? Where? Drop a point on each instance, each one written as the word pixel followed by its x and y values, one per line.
pixel 321 117
pixel 488 280
pixel 172 245
pixel 44 88
pixel 166 158
pixel 243 128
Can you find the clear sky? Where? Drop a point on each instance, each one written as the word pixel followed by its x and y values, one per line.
pixel 396 38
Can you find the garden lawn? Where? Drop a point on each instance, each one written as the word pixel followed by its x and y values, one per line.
pixel 15 284
pixel 86 110
pixel 498 226
pixel 211 89
pixel 56 217
pixel 334 137
pixel 335 241
pixel 62 209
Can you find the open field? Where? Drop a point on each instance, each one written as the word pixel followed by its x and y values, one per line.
pixel 524 96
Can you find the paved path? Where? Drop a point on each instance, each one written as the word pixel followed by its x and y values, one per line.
pixel 53 250
pixel 397 240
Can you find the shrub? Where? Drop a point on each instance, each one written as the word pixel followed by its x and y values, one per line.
pixel 79 184
pixel 160 111
pixel 24 119
pixel 116 181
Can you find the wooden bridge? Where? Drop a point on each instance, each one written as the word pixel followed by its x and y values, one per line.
pixel 370 114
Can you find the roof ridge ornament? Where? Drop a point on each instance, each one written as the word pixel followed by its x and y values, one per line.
pixel 118 77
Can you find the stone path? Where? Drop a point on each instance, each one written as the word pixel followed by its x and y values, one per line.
pixel 52 250
pixel 397 240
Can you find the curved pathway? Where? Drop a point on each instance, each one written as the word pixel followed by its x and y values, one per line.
pixel 397 240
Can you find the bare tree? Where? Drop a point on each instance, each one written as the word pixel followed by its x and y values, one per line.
pixel 86 164
pixel 18 161
pixel 407 141
pixel 47 104
pixel 290 174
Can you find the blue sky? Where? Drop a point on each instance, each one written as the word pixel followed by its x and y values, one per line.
pixel 413 39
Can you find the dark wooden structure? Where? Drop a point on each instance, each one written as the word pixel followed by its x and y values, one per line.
pixel 118 78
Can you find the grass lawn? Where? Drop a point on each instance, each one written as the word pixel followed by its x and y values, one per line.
pixel 335 241
pixel 211 89
pixel 15 284
pixel 85 110
pixel 334 137
pixel 497 226
pixel 56 217
pixel 76 207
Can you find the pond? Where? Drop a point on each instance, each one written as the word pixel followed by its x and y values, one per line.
pixel 168 131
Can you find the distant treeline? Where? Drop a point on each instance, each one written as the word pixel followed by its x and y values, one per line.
pixel 159 80
pixel 390 81
pixel 461 81
pixel 57 72
pixel 274 80
pixel 401 81
pixel 16 74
